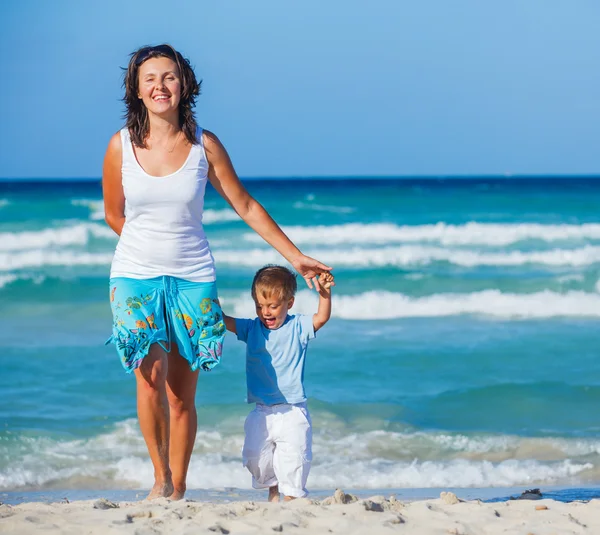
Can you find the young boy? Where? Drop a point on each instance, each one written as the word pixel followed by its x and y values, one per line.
pixel 278 444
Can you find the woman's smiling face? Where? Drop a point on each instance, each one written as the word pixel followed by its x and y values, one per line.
pixel 159 85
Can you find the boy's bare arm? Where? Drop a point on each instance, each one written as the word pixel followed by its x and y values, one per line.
pixel 324 311
pixel 229 323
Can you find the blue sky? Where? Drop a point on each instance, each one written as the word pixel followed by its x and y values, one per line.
pixel 316 88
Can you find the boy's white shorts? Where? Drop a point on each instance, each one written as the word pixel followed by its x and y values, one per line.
pixel 278 447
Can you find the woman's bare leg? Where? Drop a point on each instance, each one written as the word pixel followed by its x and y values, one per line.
pixel 181 393
pixel 153 415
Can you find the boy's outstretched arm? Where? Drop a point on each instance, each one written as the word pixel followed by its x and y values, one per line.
pixel 324 311
pixel 229 323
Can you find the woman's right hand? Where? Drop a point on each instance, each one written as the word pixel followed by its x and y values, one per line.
pixel 309 269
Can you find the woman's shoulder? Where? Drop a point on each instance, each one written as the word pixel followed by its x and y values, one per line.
pixel 114 151
pixel 115 144
pixel 207 136
pixel 212 144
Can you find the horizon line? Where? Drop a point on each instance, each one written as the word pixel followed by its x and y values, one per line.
pixel 503 176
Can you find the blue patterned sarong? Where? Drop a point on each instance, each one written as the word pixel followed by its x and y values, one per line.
pixel 163 310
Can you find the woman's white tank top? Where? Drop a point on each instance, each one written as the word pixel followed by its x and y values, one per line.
pixel 163 232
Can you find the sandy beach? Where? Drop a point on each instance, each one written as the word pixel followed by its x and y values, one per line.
pixel 340 513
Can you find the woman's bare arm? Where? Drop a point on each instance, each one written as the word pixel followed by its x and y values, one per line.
pixel 223 177
pixel 112 185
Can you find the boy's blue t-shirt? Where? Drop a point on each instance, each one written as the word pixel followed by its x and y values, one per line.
pixel 275 359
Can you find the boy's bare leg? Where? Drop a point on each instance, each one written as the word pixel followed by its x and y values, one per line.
pixel 274 494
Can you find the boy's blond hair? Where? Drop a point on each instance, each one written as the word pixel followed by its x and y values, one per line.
pixel 272 281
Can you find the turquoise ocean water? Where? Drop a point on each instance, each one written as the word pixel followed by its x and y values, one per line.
pixel 463 350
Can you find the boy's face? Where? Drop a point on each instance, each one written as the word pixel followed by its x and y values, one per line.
pixel 272 310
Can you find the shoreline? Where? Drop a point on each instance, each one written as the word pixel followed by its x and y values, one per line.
pixel 558 493
pixel 337 513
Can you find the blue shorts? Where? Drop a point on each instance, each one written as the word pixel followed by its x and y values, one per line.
pixel 163 309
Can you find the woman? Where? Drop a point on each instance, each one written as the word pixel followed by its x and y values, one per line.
pixel 167 318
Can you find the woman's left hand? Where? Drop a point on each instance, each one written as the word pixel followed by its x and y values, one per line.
pixel 310 268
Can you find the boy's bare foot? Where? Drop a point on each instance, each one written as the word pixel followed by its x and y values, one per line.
pixel 160 490
pixel 289 498
pixel 274 494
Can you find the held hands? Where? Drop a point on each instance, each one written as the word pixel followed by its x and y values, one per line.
pixel 310 269
pixel 326 281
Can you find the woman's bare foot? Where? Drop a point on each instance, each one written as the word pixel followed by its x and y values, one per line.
pixel 160 490
pixel 178 493
pixel 289 498
pixel 274 494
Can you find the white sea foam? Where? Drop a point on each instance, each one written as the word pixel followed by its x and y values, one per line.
pixel 78 234
pixel 377 305
pixel 210 216
pixel 472 233
pixel 90 203
pixel 418 255
pixel 572 277
pixel 500 447
pixel 216 470
pixel 5 280
pixel 324 208
pixel 372 305
pixel 456 473
pixel 354 258
pixel 43 258
pixel 369 460
pixel 95 206
pixel 415 276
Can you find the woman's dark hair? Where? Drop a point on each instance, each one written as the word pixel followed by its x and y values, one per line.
pixel 137 113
